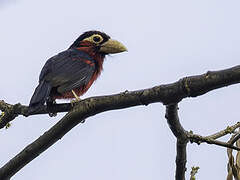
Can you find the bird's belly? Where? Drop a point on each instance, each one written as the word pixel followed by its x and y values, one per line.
pixel 79 91
pixel 69 95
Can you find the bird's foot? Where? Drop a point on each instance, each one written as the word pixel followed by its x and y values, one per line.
pixel 52 114
pixel 76 100
pixel 50 103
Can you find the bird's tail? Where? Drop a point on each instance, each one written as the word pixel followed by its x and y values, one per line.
pixel 39 97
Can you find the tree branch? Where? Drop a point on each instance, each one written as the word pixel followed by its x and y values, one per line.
pixel 211 139
pixel 182 140
pixel 199 139
pixel 167 94
pixel 234 138
pixel 228 130
pixel 10 112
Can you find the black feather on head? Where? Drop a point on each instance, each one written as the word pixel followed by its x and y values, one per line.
pixel 88 34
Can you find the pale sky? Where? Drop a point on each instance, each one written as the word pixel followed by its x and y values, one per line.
pixel 166 40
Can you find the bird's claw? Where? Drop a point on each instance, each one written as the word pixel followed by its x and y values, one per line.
pixel 52 114
pixel 50 103
pixel 75 101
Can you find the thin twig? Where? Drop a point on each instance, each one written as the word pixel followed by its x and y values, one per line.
pixel 228 130
pixel 234 138
pixel 199 139
pixel 194 171
pixel 233 166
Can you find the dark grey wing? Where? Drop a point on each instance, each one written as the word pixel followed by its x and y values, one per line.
pixel 68 70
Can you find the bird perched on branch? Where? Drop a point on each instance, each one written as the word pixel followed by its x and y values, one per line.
pixel 70 73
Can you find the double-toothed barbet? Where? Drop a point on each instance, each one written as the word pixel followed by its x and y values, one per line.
pixel 70 73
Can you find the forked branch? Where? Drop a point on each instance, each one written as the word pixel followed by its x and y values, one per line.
pixel 167 94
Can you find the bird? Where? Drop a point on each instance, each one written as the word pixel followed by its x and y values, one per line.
pixel 71 73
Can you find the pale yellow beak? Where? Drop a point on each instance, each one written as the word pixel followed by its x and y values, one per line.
pixel 112 46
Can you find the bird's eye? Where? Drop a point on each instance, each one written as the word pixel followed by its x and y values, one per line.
pixel 96 39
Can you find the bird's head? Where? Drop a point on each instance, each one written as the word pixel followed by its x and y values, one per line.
pixel 100 42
